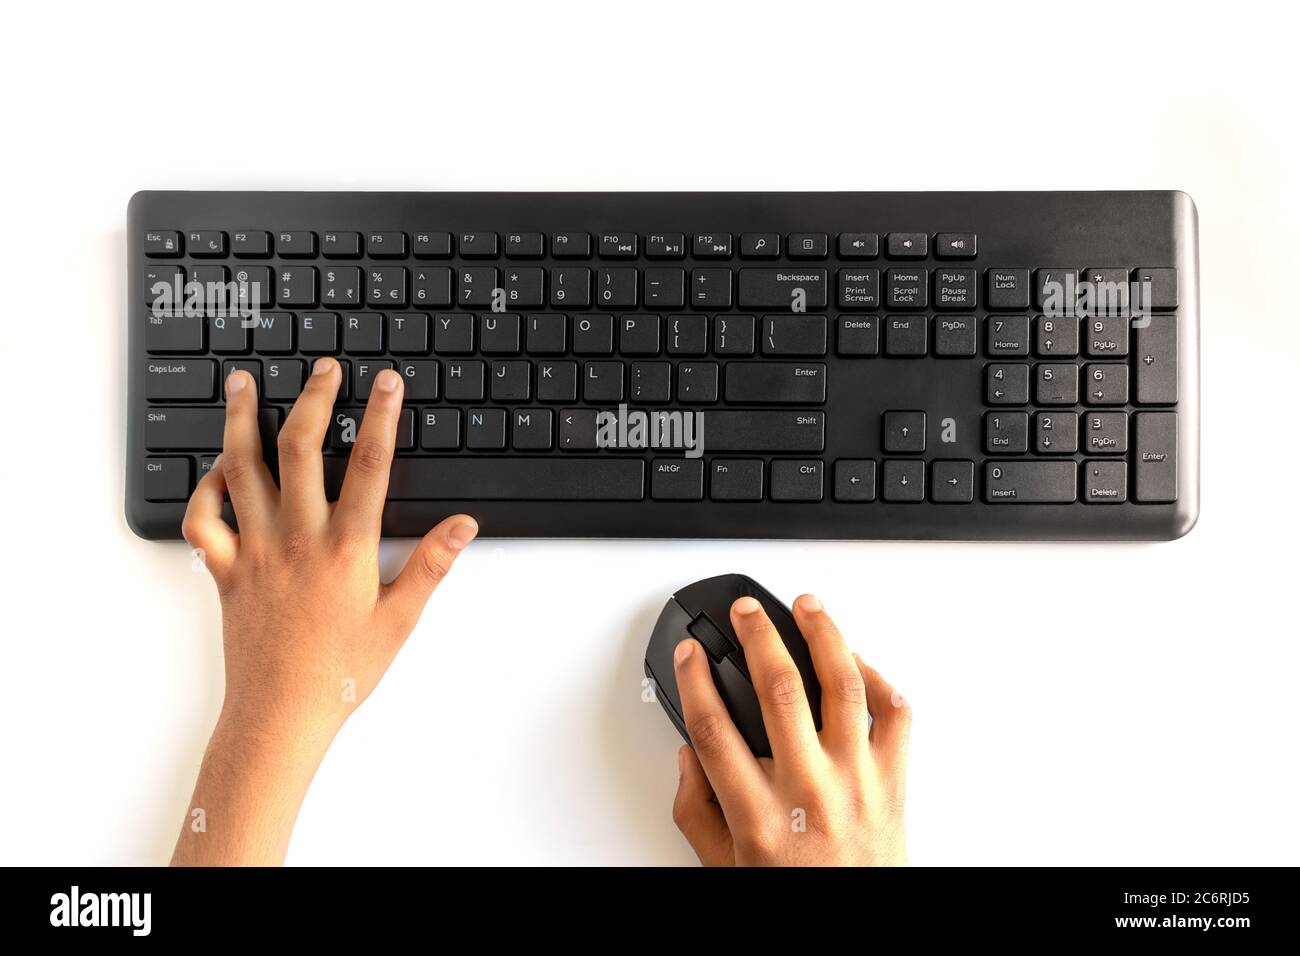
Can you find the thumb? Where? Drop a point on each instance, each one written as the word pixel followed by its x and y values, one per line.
pixel 429 563
pixel 698 816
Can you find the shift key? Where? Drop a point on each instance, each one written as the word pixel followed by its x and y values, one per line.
pixel 199 429
pixel 792 289
pixel 774 431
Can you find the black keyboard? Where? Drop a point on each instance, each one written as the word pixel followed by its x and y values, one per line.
pixel 783 365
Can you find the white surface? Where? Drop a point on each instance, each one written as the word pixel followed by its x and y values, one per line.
pixel 1074 704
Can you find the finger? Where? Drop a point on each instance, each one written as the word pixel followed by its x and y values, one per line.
pixel 427 566
pixel 204 528
pixel 302 470
pixel 734 774
pixel 844 695
pixel 779 686
pixel 361 501
pixel 891 717
pixel 697 814
pixel 252 490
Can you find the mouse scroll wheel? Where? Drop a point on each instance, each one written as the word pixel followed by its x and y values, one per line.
pixel 711 637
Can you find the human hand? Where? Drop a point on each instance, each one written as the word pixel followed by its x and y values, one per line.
pixel 308 627
pixel 829 798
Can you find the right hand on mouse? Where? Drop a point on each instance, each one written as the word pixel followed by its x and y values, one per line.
pixel 829 798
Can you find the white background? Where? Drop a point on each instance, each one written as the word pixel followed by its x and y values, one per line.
pixel 1075 704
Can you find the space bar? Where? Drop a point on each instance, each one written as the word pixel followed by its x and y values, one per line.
pixel 517 479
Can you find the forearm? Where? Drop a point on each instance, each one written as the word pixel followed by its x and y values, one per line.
pixel 251 784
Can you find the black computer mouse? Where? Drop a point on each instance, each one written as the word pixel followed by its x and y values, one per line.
pixel 703 611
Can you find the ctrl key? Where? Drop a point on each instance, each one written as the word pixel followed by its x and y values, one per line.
pixel 167 479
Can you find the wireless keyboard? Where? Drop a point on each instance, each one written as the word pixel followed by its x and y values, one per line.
pixel 783 365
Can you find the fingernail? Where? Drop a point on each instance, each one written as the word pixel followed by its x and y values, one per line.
pixel 809 602
pixel 461 534
pixel 683 651
pixel 745 605
pixel 236 381
pixel 681 760
pixel 388 380
pixel 323 366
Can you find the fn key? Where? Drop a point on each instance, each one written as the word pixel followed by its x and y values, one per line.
pixel 166 479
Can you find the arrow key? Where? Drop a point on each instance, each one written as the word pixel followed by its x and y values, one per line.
pixel 904 481
pixel 952 482
pixel 855 479
pixel 904 432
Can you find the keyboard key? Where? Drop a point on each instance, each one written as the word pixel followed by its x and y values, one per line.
pixel 733 430
pixel 1056 291
pixel 955 245
pixel 252 366
pixel 616 288
pixel 180 380
pixel 903 481
pixel 593 334
pixel 499 334
pixel 1105 433
pixel 907 245
pixel 1056 337
pixel 464 382
pixel 1056 384
pixel 797 480
pixel 688 335
pixel 1056 433
pixel 1007 384
pixel 163 245
pixel 478 245
pixel 857 336
pixel 794 335
pixel 431 245
pixel 363 376
pixel 855 480
pixel 363 333
pixel 557 382
pixel 167 479
pixel 638 334
pixel 618 245
pixel 296 245
pixel 273 334
pixel 511 381
pixel 904 432
pixel 340 288
pixel 671 245
pixel 1156 348
pixel 736 479
pixel 440 429
pixel 711 289
pixel 677 479
pixel 546 333
pixel 431 287
pixel 954 336
pixel 906 336
pixel 651 382
pixel 664 288
pixel 284 379
pixel 1106 384
pixel 760 245
pixel 1006 433
pixel 859 288
pixel 952 482
pixel 525 288
pixel 1105 482
pixel 1030 482
pixel 386 245
pixel 421 380
pixel 733 335
pixel 907 289
pixel 477 287
pixel 571 245
pixel 164 288
pixel 173 334
pixel 485 429
pixel 342 245
pixel 954 289
pixel 296 285
pixel 1107 336
pixel 227 335
pixel 1157 289
pixel 577 429
pixel 486 478
pixel 570 288
pixel 530 429
pixel 197 428
pixel 806 245
pixel 1155 439
pixel 524 245
pixel 602 382
pixel 408 333
pixel 1008 335
pixel 859 245
pixel 712 245
pixel 775 383
pixel 1104 292
pixel 697 383
pixel 1008 289
pixel 207 244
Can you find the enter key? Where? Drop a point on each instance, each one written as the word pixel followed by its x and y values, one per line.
pixel 776 383
pixel 1156 439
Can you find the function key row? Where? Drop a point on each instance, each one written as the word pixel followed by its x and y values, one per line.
pixel 301 244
